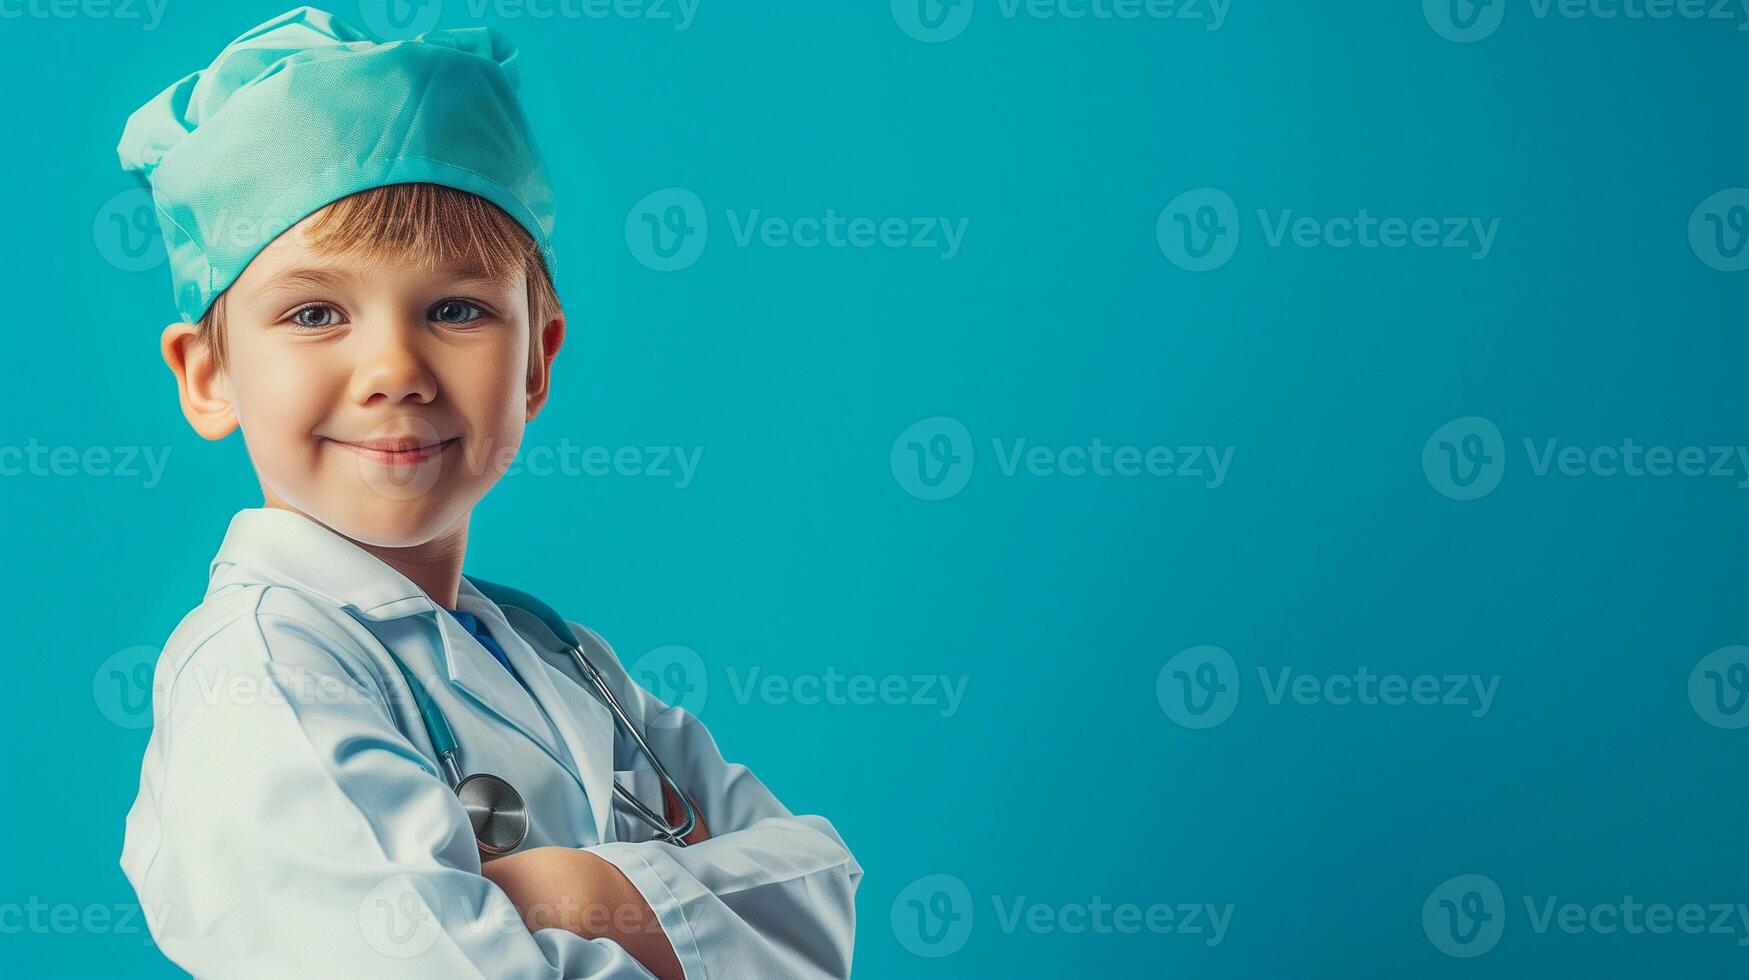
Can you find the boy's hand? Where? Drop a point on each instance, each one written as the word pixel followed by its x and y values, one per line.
pixel 672 812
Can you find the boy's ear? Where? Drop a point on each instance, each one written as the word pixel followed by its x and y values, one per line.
pixel 540 379
pixel 201 385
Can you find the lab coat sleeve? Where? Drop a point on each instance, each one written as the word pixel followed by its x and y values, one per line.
pixel 286 828
pixel 770 894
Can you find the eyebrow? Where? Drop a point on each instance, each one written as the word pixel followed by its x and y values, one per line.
pixel 305 277
pixel 293 279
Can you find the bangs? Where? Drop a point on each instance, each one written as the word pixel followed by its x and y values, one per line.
pixel 429 225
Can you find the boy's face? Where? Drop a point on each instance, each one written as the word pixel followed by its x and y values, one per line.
pixel 378 399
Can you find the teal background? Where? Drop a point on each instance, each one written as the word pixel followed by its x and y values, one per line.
pixel 1059 599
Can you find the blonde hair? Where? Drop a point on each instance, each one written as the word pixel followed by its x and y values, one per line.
pixel 433 225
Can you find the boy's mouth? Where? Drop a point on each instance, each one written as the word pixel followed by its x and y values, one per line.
pixel 403 450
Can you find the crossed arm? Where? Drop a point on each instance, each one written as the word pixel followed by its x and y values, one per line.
pixel 575 890
pixel 384 855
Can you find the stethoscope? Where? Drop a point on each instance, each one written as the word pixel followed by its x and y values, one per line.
pixel 494 807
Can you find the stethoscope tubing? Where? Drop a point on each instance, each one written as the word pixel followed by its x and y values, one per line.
pixel 443 742
pixel 675 835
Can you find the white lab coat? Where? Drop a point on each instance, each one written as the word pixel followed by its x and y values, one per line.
pixel 292 820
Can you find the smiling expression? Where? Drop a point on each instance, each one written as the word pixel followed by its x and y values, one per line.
pixel 379 398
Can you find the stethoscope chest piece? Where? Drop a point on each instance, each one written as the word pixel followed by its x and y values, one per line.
pixel 494 807
pixel 496 810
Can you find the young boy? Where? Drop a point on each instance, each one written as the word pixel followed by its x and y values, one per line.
pixel 360 239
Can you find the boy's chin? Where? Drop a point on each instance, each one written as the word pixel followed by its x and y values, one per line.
pixel 389 523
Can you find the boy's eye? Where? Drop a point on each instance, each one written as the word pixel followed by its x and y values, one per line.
pixel 456 311
pixel 301 322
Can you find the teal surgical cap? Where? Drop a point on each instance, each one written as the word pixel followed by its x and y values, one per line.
pixel 306 109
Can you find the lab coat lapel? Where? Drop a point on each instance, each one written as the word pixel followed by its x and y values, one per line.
pixel 587 728
pixel 478 674
pixel 281 547
pixel 584 723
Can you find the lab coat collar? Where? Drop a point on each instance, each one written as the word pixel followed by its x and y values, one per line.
pixel 280 547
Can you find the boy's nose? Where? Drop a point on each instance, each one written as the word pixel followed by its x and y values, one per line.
pixel 393 367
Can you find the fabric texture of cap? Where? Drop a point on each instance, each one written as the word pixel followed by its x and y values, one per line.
pixel 306 109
